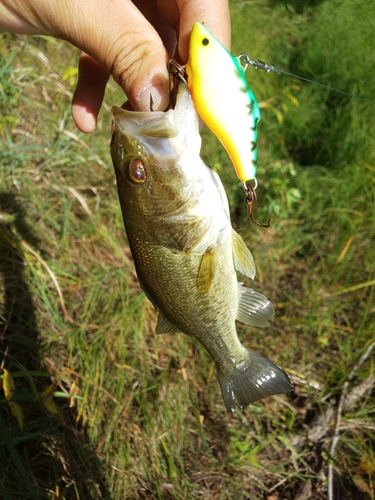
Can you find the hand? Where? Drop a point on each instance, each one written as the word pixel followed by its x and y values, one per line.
pixel 133 41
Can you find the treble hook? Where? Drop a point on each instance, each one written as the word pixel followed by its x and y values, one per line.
pixel 250 199
pixel 177 70
pixel 176 74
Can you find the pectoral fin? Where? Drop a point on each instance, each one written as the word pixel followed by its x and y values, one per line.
pixel 165 326
pixel 254 309
pixel 207 269
pixel 243 260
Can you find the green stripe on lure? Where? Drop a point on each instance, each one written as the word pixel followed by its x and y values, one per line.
pixel 223 99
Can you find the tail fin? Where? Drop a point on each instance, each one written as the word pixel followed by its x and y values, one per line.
pixel 253 379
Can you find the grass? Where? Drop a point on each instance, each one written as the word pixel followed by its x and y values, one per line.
pixel 141 416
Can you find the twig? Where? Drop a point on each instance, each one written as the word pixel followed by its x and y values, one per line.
pixel 344 401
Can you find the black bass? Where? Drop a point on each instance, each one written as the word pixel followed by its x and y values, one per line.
pixel 185 250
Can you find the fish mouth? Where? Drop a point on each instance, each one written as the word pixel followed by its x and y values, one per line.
pixel 152 124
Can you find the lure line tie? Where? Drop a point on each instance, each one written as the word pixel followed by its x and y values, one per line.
pixel 258 64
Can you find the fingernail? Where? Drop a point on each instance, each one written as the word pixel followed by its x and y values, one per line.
pixel 155 97
pixel 84 119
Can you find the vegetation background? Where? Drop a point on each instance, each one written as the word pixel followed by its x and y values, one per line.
pixel 101 407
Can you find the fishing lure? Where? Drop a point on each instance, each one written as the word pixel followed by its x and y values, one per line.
pixel 223 99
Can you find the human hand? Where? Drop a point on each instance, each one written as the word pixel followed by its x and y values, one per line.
pixel 133 41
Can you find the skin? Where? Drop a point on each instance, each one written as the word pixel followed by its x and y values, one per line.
pixel 132 41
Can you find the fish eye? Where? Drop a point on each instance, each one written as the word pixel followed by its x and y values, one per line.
pixel 205 41
pixel 137 171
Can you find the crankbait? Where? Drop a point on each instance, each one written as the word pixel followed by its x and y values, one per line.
pixel 223 99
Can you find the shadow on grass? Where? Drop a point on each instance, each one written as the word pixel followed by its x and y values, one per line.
pixel 50 457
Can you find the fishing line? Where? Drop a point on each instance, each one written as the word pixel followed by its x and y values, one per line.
pixel 258 64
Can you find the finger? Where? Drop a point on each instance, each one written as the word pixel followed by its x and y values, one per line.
pixel 128 46
pixel 89 93
pixel 217 20
pixel 165 29
pixel 120 39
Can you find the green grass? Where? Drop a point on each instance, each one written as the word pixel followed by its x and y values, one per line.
pixel 141 416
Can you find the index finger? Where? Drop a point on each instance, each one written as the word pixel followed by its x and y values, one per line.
pixel 214 14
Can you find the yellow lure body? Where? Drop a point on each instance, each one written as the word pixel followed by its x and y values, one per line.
pixel 223 99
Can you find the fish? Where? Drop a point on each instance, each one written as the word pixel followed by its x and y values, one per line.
pixel 185 250
pixel 223 99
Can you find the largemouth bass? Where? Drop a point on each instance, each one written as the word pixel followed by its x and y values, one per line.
pixel 185 250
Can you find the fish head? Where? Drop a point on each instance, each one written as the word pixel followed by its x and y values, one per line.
pixel 168 195
pixel 155 157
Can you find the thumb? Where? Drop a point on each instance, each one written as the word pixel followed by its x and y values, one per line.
pixel 120 41
pixel 137 59
pixel 117 40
